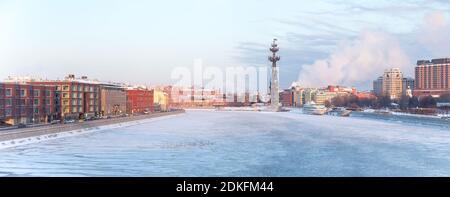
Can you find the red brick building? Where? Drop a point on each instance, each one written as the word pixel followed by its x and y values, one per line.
pixel 78 98
pixel 139 101
pixel 26 103
pixel 287 98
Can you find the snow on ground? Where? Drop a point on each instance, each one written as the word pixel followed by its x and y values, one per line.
pixel 233 143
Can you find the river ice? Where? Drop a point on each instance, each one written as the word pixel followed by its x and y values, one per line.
pixel 212 143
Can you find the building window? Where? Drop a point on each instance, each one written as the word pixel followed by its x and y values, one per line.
pixel 8 102
pixel 8 92
pixel 91 109
pixel 36 93
pixel 36 110
pixel 74 109
pixel 86 88
pixel 74 88
pixel 65 102
pixel 74 102
pixel 91 88
pixel 91 102
pixel 23 92
pixel 47 101
pixel 91 95
pixel 66 88
pixel 80 95
pixel 22 102
pixel 80 109
pixel 8 112
pixel 47 93
pixel 80 88
pixel 65 95
pixel 36 101
pixel 74 95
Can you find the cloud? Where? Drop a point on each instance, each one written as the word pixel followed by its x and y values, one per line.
pixel 433 34
pixel 356 62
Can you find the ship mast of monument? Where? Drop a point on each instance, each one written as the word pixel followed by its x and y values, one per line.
pixel 274 58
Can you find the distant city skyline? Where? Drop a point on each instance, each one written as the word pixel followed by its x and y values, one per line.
pixel 140 42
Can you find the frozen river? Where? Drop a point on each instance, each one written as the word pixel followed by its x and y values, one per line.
pixel 210 143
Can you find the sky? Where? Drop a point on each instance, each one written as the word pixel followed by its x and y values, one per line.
pixel 321 42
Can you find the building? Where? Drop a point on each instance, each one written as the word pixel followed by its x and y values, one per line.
pixel 365 95
pixel 79 97
pixel 392 83
pixel 287 98
pixel 27 104
pixel 378 86
pixel 432 77
pixel 308 95
pixel 139 100
pixel 407 86
pixel 322 96
pixel 341 90
pixel 113 100
pixel 297 96
pixel 160 100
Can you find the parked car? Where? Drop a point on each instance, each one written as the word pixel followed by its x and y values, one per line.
pixel 69 121
pixel 55 121
pixel 21 125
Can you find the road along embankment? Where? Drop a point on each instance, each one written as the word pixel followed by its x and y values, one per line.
pixel 22 136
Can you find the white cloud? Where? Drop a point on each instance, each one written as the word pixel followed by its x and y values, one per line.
pixel 434 34
pixel 356 62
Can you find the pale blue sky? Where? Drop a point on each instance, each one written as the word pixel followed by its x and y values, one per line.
pixel 141 41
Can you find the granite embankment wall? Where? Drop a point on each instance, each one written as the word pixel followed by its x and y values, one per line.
pixel 52 129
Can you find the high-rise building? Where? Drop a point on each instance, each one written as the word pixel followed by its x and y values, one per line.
pixel 432 77
pixel 392 83
pixel 378 86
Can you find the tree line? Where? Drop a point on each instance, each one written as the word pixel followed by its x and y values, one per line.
pixel 405 102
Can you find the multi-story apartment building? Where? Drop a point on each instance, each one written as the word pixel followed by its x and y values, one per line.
pixel 378 86
pixel 27 104
pixel 113 99
pixel 287 98
pixel 392 83
pixel 139 100
pixel 78 97
pixel 322 96
pixel 432 77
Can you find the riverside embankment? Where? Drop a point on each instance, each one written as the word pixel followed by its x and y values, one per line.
pixel 49 130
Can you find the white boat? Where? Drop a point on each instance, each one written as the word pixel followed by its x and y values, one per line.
pixel 340 111
pixel 314 109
